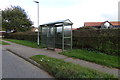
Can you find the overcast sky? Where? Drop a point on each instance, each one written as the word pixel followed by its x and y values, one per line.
pixel 78 11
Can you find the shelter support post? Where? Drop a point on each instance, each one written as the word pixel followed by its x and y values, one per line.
pixel 71 37
pixel 63 37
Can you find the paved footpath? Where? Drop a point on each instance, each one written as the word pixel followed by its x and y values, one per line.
pixel 28 52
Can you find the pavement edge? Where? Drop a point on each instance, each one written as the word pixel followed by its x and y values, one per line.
pixel 26 59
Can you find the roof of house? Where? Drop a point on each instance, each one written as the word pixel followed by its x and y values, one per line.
pixel 115 23
pixel 93 23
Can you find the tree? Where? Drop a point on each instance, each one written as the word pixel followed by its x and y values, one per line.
pixel 15 18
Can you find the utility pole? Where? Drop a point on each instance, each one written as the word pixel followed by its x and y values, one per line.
pixel 38 38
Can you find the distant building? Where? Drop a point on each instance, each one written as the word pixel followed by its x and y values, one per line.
pixel 115 24
pixel 34 29
pixel 2 33
pixel 11 31
pixel 103 25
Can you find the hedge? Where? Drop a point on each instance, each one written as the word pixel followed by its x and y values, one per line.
pixel 106 40
pixel 29 36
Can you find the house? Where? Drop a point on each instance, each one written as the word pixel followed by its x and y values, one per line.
pixel 11 31
pixel 115 24
pixel 34 29
pixel 2 33
pixel 103 25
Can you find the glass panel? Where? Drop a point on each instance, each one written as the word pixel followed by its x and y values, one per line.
pixel 58 37
pixel 44 36
pixel 67 43
pixel 67 37
pixel 67 31
pixel 50 40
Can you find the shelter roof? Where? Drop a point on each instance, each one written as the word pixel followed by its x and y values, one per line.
pixel 59 22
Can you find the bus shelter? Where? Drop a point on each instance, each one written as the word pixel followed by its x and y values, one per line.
pixel 57 35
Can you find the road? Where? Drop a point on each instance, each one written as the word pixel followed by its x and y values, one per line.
pixel 15 67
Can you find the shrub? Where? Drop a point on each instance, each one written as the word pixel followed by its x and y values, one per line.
pixel 29 36
pixel 106 40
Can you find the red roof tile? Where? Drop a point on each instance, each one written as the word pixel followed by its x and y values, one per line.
pixel 115 23
pixel 93 23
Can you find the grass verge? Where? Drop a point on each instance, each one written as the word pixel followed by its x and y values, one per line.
pixel 25 43
pixel 61 69
pixel 96 57
pixel 3 43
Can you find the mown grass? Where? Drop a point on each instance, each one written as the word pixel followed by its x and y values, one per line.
pixel 3 43
pixel 25 43
pixel 92 56
pixel 61 69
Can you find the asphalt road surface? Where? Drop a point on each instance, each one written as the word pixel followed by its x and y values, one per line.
pixel 15 67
